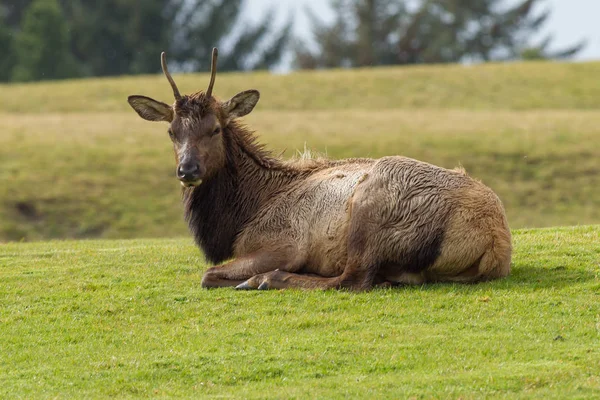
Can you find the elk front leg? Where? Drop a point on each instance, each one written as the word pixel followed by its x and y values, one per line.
pixel 359 272
pixel 282 280
pixel 239 270
pixel 355 277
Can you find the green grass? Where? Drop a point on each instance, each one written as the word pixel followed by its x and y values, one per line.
pixel 77 162
pixel 111 175
pixel 127 318
pixel 517 86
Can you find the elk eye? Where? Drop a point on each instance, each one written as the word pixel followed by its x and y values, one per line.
pixel 171 135
pixel 217 130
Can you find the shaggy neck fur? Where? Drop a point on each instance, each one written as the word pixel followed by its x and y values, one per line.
pixel 218 209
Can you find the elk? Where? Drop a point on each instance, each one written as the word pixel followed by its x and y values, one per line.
pixel 322 224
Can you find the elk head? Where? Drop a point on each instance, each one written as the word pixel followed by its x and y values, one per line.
pixel 196 125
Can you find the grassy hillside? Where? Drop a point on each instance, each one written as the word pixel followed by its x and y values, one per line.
pixel 128 319
pixel 522 86
pixel 76 161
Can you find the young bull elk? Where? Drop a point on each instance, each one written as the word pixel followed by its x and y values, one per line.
pixel 322 223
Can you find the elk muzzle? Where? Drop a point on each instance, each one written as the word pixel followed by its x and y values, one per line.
pixel 190 173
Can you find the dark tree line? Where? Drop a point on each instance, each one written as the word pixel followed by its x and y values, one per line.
pixel 54 39
pixel 383 32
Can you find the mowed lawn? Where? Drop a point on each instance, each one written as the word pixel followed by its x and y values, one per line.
pixel 77 162
pixel 128 318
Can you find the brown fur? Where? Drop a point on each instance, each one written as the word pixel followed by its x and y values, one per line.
pixel 319 223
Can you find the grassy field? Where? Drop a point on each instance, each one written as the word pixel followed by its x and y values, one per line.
pixel 77 162
pixel 127 318
pixel 516 86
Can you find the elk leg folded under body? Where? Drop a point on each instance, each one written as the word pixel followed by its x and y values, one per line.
pixel 239 270
pixel 283 280
pixel 352 278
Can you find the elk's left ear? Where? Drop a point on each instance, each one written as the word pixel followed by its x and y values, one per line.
pixel 150 109
pixel 241 104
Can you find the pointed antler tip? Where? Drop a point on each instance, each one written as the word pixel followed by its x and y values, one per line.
pixel 163 62
pixel 213 72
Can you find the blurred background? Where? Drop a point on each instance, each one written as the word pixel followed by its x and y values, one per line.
pixel 509 89
pixel 54 39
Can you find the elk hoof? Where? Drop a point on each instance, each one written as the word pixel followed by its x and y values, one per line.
pixel 244 286
pixel 264 281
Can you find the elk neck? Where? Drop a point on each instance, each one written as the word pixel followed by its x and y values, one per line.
pixel 218 209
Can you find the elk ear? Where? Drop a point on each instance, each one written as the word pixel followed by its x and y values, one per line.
pixel 150 109
pixel 241 104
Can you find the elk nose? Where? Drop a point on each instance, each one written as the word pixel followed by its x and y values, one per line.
pixel 188 171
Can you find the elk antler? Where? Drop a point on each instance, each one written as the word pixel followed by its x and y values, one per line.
pixel 213 72
pixel 163 62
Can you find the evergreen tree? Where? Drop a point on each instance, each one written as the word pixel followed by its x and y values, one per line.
pixel 42 45
pixel 376 32
pixel 115 37
pixel 201 25
pixel 7 52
